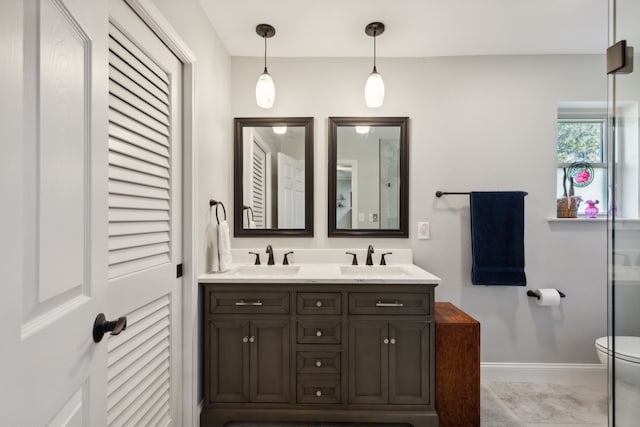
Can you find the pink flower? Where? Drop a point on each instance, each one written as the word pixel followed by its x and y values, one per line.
pixel 582 177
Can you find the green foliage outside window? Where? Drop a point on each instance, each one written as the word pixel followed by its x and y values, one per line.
pixel 580 141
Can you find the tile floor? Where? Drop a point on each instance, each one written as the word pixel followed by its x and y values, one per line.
pixel 506 404
pixel 542 405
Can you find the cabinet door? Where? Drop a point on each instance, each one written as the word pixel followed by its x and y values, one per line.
pixel 270 369
pixel 409 367
pixel 228 358
pixel 368 362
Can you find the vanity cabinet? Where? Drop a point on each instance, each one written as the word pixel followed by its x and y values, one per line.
pixel 387 362
pixel 247 346
pixel 305 352
pixel 390 336
pixel 250 360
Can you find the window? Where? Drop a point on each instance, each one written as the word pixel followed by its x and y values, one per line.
pixel 582 140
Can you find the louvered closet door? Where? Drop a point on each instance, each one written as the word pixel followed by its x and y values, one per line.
pixel 259 185
pixel 144 223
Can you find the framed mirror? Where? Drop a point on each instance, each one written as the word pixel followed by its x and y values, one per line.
pixel 368 176
pixel 273 179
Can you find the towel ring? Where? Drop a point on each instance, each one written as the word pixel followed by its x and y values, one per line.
pixel 216 203
pixel 249 209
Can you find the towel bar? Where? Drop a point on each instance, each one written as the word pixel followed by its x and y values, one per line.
pixel 444 193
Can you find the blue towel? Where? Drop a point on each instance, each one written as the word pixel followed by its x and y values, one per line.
pixel 497 238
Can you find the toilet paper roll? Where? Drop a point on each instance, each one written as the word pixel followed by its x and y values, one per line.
pixel 548 297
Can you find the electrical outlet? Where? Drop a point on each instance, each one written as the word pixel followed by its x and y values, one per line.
pixel 424 231
pixel 361 216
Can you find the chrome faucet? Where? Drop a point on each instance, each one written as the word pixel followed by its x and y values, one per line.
pixel 270 252
pixel 369 252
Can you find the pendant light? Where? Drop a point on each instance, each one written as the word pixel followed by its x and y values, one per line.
pixel 265 90
pixel 374 89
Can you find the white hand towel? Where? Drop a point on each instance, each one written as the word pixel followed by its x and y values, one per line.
pixel 224 246
pixel 213 258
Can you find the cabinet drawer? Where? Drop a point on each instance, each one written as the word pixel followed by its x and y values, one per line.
pixel 318 362
pixel 318 389
pixel 319 303
pixel 319 331
pixel 249 302
pixel 390 303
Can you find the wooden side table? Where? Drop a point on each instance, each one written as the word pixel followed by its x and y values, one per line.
pixel 457 367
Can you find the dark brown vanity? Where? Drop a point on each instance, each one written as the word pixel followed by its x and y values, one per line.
pixel 329 352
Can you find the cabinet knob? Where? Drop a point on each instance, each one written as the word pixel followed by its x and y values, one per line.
pixel 386 341
pixel 318 393
pixel 319 363
pixel 318 333
pixel 245 339
pixel 318 303
pixel 393 340
pixel 252 339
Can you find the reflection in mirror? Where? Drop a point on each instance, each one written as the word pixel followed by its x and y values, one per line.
pixel 273 176
pixel 368 172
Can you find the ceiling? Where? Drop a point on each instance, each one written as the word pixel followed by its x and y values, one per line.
pixel 414 28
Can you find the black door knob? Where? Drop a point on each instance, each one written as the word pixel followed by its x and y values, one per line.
pixel 101 326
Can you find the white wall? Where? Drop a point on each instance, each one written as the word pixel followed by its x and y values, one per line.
pixel 213 133
pixel 477 123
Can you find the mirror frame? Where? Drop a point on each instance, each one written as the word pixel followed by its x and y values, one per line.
pixel 238 212
pixel 403 123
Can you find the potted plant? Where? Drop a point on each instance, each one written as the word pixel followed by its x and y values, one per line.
pixel 567 205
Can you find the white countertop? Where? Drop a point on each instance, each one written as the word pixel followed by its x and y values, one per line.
pixel 323 273
pixel 323 266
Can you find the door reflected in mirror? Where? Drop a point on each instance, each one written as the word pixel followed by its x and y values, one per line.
pixel 367 174
pixel 274 176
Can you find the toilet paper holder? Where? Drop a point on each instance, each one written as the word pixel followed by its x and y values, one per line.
pixel 533 294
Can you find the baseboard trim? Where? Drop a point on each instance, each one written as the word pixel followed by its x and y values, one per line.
pixel 554 373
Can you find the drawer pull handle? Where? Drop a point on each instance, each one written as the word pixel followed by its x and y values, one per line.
pixel 244 303
pixel 318 333
pixel 245 339
pixel 385 341
pixel 319 363
pixel 319 393
pixel 389 304
pixel 252 339
pixel 318 303
pixel 393 340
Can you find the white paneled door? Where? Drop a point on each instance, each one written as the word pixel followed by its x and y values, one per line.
pixel 145 206
pixel 90 168
pixel 290 192
pixel 53 244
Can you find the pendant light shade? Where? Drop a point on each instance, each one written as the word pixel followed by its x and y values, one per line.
pixel 265 89
pixel 374 88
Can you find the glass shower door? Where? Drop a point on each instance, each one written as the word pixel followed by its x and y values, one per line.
pixel 624 226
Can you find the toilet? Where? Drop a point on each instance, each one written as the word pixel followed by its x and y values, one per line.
pixel 627 376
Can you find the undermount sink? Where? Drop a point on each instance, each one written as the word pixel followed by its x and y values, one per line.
pixel 373 270
pixel 267 270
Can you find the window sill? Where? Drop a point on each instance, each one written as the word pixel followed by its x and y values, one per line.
pixel 581 219
pixel 620 223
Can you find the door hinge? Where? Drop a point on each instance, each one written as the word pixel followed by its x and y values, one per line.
pixel 620 58
pixel 179 270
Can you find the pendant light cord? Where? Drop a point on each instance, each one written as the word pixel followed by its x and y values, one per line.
pixel 264 36
pixel 374 52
